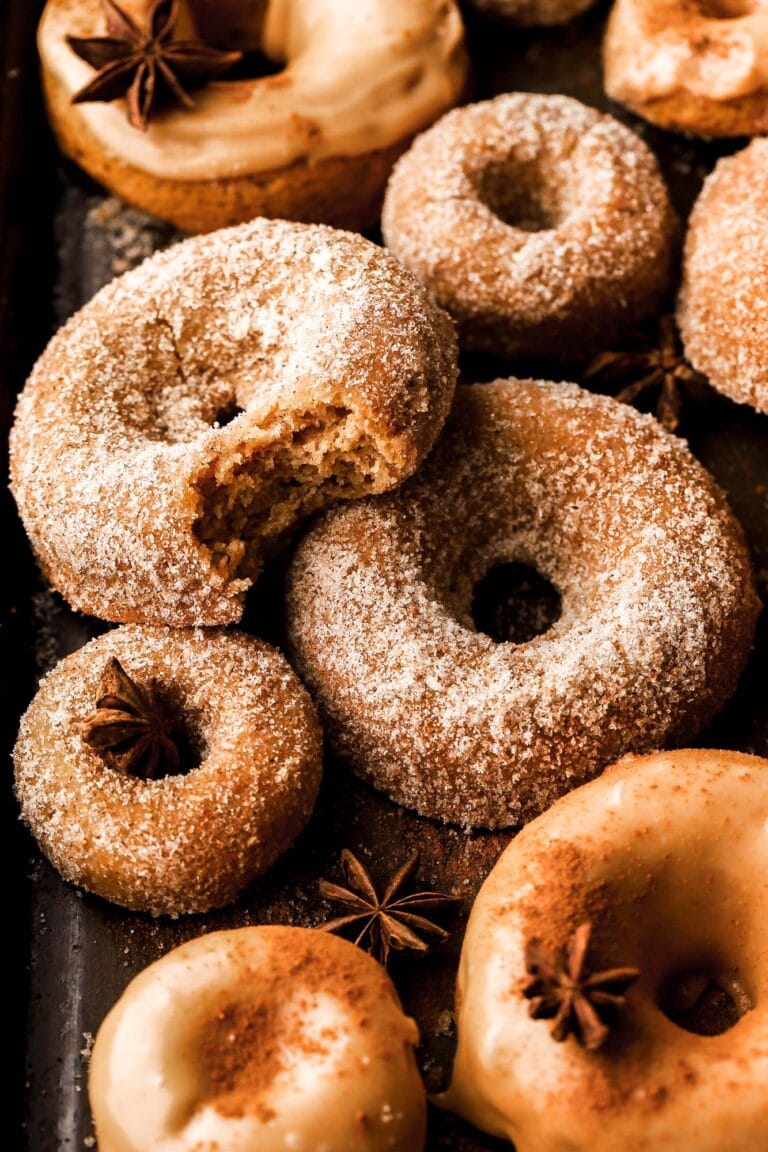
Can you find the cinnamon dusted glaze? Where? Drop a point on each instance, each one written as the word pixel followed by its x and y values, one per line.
pixel 723 304
pixel 262 1039
pixel 183 842
pixel 697 66
pixel 667 857
pixel 658 606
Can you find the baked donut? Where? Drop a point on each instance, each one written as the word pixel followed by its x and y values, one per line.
pixel 534 12
pixel 316 141
pixel 696 66
pixel 259 1040
pixel 658 606
pixel 665 857
pixel 723 305
pixel 180 842
pixel 142 503
pixel 541 225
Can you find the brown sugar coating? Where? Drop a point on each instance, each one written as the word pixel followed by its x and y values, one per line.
pixel 658 606
pixel 183 842
pixel 178 426
pixel 543 226
pixel 723 304
pixel 693 66
pixel 263 1039
pixel 665 857
pixel 534 12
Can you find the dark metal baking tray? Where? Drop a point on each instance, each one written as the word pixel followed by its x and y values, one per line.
pixel 60 238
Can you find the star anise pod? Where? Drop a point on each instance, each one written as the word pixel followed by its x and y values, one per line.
pixel 661 370
pixel 389 921
pixel 564 991
pixel 130 728
pixel 145 64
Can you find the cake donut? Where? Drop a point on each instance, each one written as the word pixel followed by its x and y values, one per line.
pixel 315 141
pixel 534 12
pixel 699 67
pixel 258 1040
pixel 655 874
pixel 657 617
pixel 179 425
pixel 182 841
pixel 723 304
pixel 543 226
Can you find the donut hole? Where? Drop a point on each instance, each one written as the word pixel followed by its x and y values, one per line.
pixel 226 414
pixel 232 25
pixel 522 195
pixel 704 1002
pixel 513 603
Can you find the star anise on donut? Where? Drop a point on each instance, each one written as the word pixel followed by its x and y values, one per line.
pixel 390 920
pixel 130 728
pixel 146 64
pixel 660 371
pixel 562 989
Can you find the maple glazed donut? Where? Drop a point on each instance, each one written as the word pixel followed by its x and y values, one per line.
pixel 179 842
pixel 259 1040
pixel 665 857
pixel 657 618
pixel 176 428
pixel 543 226
pixel 723 305
pixel 699 67
pixel 316 141
pixel 534 12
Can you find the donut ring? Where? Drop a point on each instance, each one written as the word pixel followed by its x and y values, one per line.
pixel 700 67
pixel 616 513
pixel 541 225
pixel 723 305
pixel 180 843
pixel 259 1040
pixel 539 13
pixel 141 505
pixel 667 856
pixel 314 142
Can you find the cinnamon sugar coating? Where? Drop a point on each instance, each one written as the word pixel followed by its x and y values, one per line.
pixel 534 12
pixel 666 856
pixel 262 1039
pixel 180 843
pixel 142 503
pixel 543 226
pixel 658 606
pixel 723 305
pixel 693 66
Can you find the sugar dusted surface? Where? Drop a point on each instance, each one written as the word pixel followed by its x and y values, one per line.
pixel 596 255
pixel 180 843
pixel 119 417
pixel 723 305
pixel 658 606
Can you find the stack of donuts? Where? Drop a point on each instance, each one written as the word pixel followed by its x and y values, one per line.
pixel 279 395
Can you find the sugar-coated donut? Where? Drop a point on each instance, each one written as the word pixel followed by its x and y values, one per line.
pixel 259 1040
pixel 658 606
pixel 723 304
pixel 182 842
pixel 141 502
pixel 666 856
pixel 314 142
pixel 700 66
pixel 535 12
pixel 543 226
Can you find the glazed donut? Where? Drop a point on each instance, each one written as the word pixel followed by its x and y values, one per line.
pixel 535 12
pixel 259 1040
pixel 181 842
pixel 658 606
pixel 699 67
pixel 666 857
pixel 723 305
pixel 141 502
pixel 541 225
pixel 314 142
